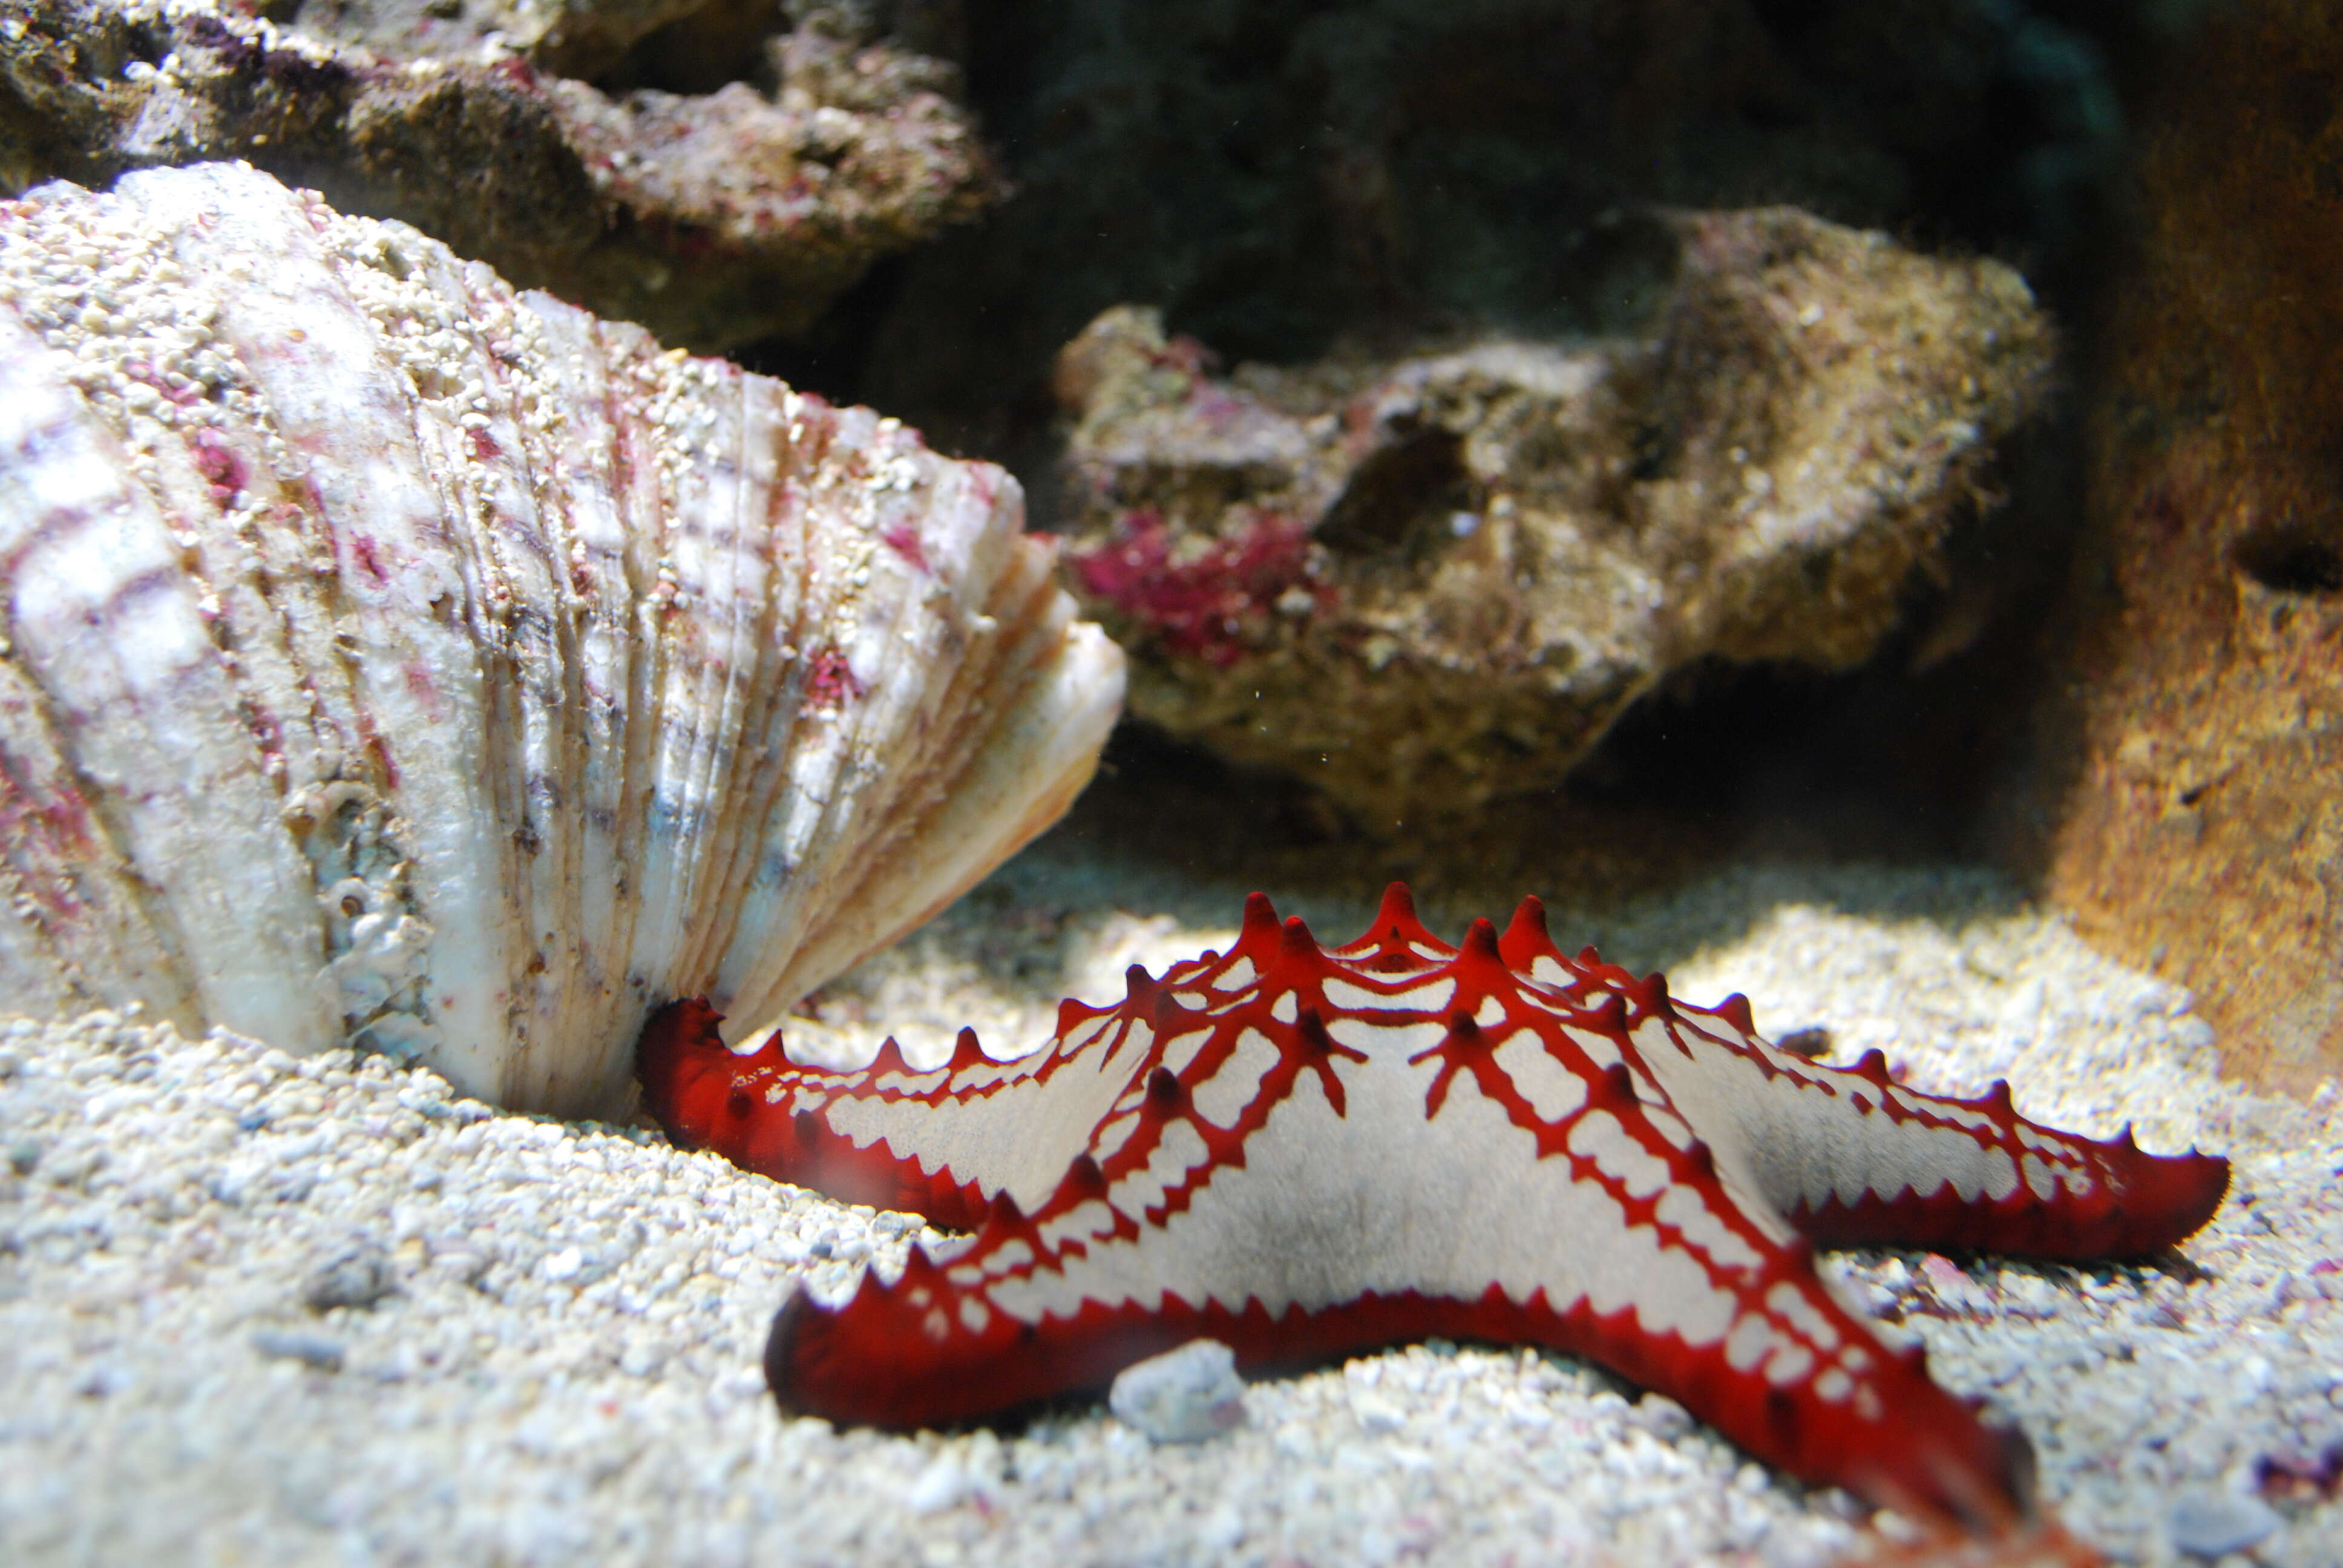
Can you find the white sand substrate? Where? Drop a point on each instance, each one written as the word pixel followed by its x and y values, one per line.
pixel 255 1310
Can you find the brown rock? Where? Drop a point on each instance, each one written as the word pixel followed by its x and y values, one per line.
pixel 570 37
pixel 712 218
pixel 2198 734
pixel 1421 583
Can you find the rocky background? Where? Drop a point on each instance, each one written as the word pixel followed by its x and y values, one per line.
pixel 2184 802
pixel 1618 430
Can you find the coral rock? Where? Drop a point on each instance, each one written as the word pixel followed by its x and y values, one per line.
pixel 1421 583
pixel 2194 741
pixel 711 219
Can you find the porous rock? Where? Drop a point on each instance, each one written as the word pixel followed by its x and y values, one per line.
pixel 713 218
pixel 574 38
pixel 1422 582
pixel 2186 806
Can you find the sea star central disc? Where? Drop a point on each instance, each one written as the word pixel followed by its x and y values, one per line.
pixel 1303 1152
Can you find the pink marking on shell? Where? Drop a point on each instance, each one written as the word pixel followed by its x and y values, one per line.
pixel 368 558
pixel 904 538
pixel 222 469
pixel 51 827
pixel 831 680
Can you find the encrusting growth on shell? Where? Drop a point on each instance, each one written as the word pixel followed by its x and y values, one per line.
pixel 395 658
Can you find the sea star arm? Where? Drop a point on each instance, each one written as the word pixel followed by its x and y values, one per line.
pixel 1849 1156
pixel 943 1143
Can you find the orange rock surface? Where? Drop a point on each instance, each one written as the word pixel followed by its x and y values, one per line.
pixel 2199 733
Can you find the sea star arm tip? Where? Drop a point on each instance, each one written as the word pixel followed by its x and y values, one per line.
pixel 1851 1156
pixel 763 1113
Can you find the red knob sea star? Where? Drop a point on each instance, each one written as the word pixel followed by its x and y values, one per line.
pixel 1303 1152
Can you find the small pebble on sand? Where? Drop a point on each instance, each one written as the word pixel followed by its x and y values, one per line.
pixel 1184 1395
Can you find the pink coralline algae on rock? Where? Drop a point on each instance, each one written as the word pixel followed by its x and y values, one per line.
pixel 1204 597
pixel 1422 582
pixel 1303 1152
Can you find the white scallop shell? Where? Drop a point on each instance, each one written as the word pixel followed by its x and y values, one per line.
pixel 395 658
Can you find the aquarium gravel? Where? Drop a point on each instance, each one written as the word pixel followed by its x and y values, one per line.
pixel 261 1310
